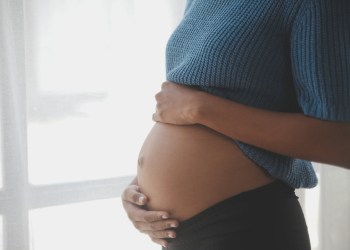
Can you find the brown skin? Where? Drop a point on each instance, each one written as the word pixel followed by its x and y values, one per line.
pixel 291 134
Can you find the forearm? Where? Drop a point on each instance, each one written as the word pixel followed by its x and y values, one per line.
pixel 294 135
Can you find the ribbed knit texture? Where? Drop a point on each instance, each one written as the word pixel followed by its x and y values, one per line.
pixel 279 55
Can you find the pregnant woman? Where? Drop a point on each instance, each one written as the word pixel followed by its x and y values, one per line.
pixel 255 90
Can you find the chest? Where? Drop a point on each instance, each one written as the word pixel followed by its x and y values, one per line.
pixel 230 38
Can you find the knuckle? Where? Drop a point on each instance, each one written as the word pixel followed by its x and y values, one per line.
pixel 161 225
pixel 149 218
pixel 153 227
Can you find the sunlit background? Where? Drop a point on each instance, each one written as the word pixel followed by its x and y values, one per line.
pixel 93 68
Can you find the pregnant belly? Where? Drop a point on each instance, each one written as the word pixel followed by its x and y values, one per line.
pixel 185 169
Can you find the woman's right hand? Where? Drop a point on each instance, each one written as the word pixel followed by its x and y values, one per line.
pixel 156 224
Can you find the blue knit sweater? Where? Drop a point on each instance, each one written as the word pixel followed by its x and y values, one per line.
pixel 279 55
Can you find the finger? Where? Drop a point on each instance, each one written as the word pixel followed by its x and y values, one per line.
pixel 161 242
pixel 139 214
pixel 133 195
pixel 161 234
pixel 156 226
pixel 153 216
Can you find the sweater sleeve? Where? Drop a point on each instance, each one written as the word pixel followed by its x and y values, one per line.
pixel 320 59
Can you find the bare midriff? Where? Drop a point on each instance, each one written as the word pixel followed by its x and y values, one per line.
pixel 185 169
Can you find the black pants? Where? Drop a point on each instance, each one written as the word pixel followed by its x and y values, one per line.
pixel 268 218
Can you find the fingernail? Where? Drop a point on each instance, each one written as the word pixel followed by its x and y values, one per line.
pixel 142 199
pixel 164 216
pixel 171 235
pixel 173 225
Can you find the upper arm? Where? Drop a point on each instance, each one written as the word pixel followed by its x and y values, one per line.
pixel 320 57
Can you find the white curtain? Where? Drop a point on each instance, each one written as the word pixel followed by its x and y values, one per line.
pixel 77 80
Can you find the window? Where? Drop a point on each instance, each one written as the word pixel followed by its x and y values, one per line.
pixel 91 71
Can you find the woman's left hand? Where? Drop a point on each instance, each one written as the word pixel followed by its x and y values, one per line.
pixel 176 104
